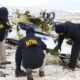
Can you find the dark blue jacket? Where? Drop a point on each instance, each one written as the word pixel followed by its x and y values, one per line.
pixel 4 26
pixel 30 56
pixel 72 31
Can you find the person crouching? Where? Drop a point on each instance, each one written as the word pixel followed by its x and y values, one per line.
pixel 30 53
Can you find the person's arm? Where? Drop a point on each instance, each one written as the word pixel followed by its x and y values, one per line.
pixel 7 24
pixel 60 40
pixel 43 45
pixel 8 27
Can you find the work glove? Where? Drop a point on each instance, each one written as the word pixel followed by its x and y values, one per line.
pixel 10 30
pixel 55 41
pixel 17 72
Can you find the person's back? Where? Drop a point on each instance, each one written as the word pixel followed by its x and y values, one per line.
pixel 72 30
pixel 32 52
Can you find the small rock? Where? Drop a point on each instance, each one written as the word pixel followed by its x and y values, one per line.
pixel 2 74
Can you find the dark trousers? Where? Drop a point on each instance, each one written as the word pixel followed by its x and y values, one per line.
pixel 74 55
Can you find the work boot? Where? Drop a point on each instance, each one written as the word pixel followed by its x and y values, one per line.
pixel 67 67
pixel 41 73
pixel 29 74
pixel 17 73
